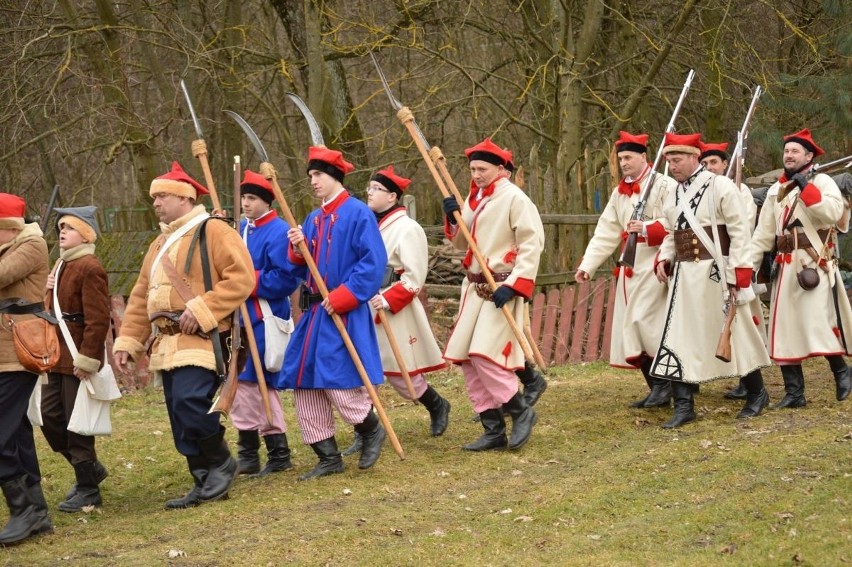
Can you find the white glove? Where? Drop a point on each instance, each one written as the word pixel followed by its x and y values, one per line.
pixel 745 295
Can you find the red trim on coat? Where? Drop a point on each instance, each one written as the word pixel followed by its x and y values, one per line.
pixel 398 297
pixel 743 277
pixel 810 195
pixel 256 283
pixel 294 258
pixel 342 300
pixel 656 233
pixel 524 287
pixel 418 370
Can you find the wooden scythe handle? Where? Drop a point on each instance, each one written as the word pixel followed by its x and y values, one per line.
pixel 268 171
pixel 199 150
pixel 396 354
pixel 407 118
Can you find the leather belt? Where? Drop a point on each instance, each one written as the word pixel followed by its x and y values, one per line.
pixel 688 248
pixel 167 323
pixel 787 242
pixel 480 278
pixel 307 299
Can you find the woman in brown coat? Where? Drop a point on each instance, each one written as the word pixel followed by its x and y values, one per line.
pixel 83 294
pixel 23 273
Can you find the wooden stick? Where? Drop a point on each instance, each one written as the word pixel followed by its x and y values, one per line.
pixel 268 171
pixel 539 359
pixel 199 150
pixel 397 354
pixel 407 120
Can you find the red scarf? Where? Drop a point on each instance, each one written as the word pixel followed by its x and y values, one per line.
pixel 628 188
pixel 476 195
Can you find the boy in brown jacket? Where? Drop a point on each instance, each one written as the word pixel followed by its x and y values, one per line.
pixel 83 293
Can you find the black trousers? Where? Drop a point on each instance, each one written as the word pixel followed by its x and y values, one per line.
pixel 189 392
pixel 17 446
pixel 57 403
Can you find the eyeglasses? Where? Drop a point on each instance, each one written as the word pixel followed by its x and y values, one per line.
pixel 374 188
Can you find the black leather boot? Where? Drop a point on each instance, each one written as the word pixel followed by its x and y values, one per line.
pixel 523 419
pixel 534 383
pixel 439 410
pixel 278 455
pixel 661 394
pixel 87 493
pixel 645 367
pixel 24 519
pixel 757 397
pixel 372 435
pixel 330 461
pixel 683 405
pixel 37 498
pixel 355 447
pixel 495 432
pixel 248 443
pixel 794 386
pixel 198 470
pixel 738 393
pixel 100 475
pixel 843 384
pixel 222 467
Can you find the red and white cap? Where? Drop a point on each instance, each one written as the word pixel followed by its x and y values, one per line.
pixel 682 144
pixel 178 182
pixel 12 209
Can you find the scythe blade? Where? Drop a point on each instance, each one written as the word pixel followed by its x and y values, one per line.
pixel 316 133
pixel 255 141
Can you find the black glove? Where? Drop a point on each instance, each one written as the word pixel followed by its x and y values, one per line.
pixel 502 295
pixel 800 180
pixel 450 205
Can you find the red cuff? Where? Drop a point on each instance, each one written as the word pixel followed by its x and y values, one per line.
pixel 810 195
pixel 657 262
pixel 743 277
pixel 342 300
pixel 656 233
pixel 524 287
pixel 294 258
pixel 398 296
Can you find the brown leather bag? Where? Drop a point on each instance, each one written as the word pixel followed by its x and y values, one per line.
pixel 36 343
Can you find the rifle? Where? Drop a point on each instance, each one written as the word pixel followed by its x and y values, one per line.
pixel 739 150
pixel 628 253
pixel 51 204
pixel 723 347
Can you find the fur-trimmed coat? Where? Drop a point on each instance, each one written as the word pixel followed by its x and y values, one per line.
pixel 232 274
pixel 82 290
pixel 23 273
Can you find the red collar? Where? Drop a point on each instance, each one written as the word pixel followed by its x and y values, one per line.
pixel 266 218
pixel 477 195
pixel 329 208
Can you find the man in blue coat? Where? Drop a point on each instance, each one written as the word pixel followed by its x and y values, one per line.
pixel 343 238
pixel 265 235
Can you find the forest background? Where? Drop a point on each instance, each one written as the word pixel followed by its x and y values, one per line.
pixel 90 97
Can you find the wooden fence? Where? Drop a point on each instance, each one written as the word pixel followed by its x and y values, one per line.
pixel 570 324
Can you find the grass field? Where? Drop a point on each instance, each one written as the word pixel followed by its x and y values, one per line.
pixel 598 484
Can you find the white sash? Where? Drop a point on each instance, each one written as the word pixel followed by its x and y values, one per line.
pixel 173 237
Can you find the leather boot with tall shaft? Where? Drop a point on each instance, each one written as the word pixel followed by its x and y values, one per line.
pixel 330 461
pixel 523 419
pixel 372 436
pixel 439 411
pixel 87 493
pixel 645 367
pixel 794 387
pixel 683 405
pixel 843 384
pixel 25 519
pixel 222 467
pixel 38 500
pixel 198 469
pixel 495 432
pixel 278 455
pixel 101 473
pixel 661 394
pixel 355 447
pixel 248 459
pixel 757 397
pixel 534 383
